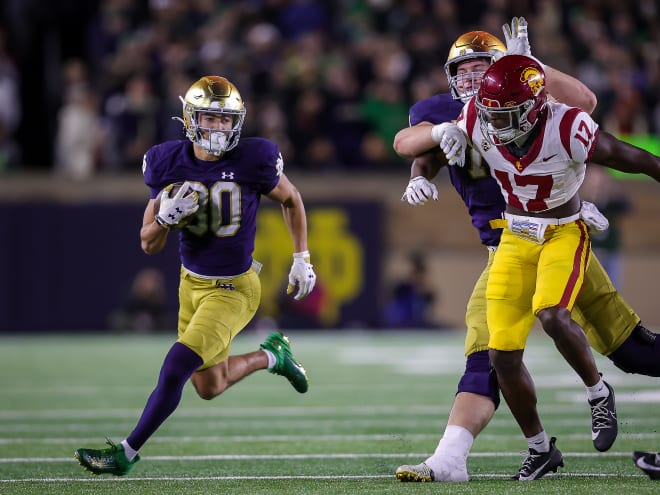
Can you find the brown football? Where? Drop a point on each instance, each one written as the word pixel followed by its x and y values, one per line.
pixel 173 188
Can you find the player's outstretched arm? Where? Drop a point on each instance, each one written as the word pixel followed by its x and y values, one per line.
pixel 415 140
pixel 569 91
pixel 424 168
pixel 619 155
pixel 428 164
pixel 563 88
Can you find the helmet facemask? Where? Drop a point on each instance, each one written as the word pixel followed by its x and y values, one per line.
pixel 517 117
pixel 473 45
pixel 213 141
pixel 217 96
pixel 465 85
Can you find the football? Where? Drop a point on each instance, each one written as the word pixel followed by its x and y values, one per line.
pixel 173 189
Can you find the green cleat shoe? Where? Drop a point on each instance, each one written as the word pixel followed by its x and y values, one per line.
pixel 286 365
pixel 106 461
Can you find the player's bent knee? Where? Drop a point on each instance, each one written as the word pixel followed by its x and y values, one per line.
pixel 505 344
pixel 480 378
pixel 509 362
pixel 555 321
pixel 639 354
pixel 208 393
pixel 208 390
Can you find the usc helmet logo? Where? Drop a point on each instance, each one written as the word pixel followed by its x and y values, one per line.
pixel 533 78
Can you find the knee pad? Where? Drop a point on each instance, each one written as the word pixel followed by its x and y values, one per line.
pixel 480 378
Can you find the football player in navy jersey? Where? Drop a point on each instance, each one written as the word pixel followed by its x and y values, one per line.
pixel 612 327
pixel 206 190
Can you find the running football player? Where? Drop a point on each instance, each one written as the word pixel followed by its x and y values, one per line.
pixel 214 214
pixel 614 329
pixel 537 151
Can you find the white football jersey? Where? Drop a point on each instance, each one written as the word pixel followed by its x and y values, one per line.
pixel 551 172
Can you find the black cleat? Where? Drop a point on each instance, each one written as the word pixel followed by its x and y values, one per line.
pixel 604 427
pixel 649 462
pixel 538 463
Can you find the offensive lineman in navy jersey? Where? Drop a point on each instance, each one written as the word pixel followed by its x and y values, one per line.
pixel 219 181
pixel 612 327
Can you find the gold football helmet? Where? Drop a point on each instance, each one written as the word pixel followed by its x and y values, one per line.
pixel 213 95
pixel 468 46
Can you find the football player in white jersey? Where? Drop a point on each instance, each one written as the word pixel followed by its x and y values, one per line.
pixel 600 310
pixel 537 151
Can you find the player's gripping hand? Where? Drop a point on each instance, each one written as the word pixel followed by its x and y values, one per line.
pixel 452 142
pixel 301 275
pixel 419 191
pixel 174 210
pixel 517 40
pixel 515 35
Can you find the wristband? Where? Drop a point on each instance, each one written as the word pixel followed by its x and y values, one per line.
pixel 161 222
pixel 303 255
pixel 434 133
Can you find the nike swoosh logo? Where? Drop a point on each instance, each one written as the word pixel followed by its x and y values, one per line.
pixel 642 464
pixel 594 434
pixel 546 158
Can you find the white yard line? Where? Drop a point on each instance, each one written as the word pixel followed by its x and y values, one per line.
pixel 250 457
pixel 312 438
pixel 328 477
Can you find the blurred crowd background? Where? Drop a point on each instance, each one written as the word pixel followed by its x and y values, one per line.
pixel 87 86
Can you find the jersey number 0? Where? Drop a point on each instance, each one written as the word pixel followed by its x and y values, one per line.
pixel 210 214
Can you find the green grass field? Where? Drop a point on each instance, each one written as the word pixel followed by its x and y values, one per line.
pixel 377 400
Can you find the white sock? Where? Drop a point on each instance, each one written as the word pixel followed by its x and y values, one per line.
pixel 539 442
pixel 598 391
pixel 271 358
pixel 456 442
pixel 129 451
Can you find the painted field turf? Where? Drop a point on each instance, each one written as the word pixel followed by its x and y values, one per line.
pixel 376 400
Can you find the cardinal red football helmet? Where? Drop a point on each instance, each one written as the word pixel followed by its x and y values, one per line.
pixel 511 97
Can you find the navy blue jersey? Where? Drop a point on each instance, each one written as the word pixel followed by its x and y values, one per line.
pixel 219 240
pixel 479 191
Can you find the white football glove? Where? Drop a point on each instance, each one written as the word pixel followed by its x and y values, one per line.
pixel 177 208
pixel 419 191
pixel 496 54
pixel 452 142
pixel 517 42
pixel 301 274
pixel 592 216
